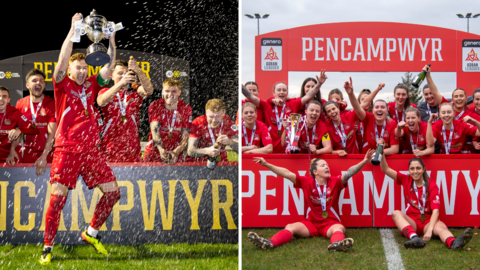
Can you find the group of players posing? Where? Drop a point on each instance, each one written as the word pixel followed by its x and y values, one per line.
pixel 329 128
pixel 73 123
pixel 361 130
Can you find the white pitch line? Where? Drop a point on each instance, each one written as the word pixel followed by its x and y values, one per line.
pixel 394 259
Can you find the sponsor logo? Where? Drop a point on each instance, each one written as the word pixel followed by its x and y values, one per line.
pixel 24 118
pixel 472 56
pixel 8 75
pixel 56 176
pixel 176 74
pixel 190 119
pixel 470 60
pixel 234 128
pixel 2 74
pixel 183 74
pixel 169 74
pixel 271 55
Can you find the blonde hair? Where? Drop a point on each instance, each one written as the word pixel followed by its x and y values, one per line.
pixel 249 104
pixel 172 82
pixel 215 105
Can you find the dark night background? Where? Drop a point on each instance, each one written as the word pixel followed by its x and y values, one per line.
pixel 204 32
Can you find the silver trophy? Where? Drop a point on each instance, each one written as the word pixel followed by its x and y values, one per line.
pixel 295 120
pixel 96 27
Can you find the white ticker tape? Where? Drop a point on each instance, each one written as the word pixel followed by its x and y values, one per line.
pixel 111 28
pixel 80 30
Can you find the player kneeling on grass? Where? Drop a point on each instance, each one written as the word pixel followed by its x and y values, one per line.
pixel 322 190
pixel 423 204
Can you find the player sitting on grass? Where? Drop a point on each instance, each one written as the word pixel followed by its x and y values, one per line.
pixel 322 190
pixel 422 210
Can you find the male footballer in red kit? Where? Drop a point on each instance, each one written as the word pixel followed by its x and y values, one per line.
pixel 75 142
pixel 121 111
pixel 40 109
pixel 170 119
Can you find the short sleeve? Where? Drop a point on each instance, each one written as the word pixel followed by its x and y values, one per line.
pixel 434 196
pixel 393 140
pixel 153 112
pixel 470 130
pixel 265 136
pixel 20 120
pixel 230 128
pixel 351 116
pixel 299 180
pixel 402 178
pixel 338 182
pixel 187 123
pixel 195 130
pixel 51 112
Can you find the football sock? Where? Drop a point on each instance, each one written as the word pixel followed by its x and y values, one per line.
pixel 52 217
pixel 104 207
pixel 282 237
pixel 337 236
pixel 409 232
pixel 45 248
pixel 449 241
pixel 92 232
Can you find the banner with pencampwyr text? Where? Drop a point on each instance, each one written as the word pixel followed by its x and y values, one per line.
pixel 370 197
pixel 164 204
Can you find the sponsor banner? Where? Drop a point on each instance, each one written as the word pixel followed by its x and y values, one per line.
pixel 157 205
pixel 271 54
pixel 470 52
pixel 369 199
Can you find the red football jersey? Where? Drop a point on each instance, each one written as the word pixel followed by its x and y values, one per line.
pixel 432 202
pixel 10 119
pixel 348 120
pixel 369 140
pixel 44 115
pixel 419 139
pixel 460 132
pixel 391 111
pixel 260 114
pixel 292 106
pixel 261 138
pixel 321 133
pixel 120 139
pixel 74 128
pixel 183 119
pixel 200 131
pixel 314 207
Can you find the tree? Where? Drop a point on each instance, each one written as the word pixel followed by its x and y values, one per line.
pixel 415 94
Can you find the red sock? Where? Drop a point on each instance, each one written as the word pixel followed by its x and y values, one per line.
pixel 337 236
pixel 408 231
pixel 52 217
pixel 104 207
pixel 282 237
pixel 449 241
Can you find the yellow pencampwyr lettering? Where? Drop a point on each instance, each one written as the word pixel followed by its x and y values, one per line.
pixel 77 194
pixel 157 191
pixel 48 70
pixel 118 207
pixel 194 203
pixel 145 68
pixel 61 226
pixel 18 204
pixel 3 205
pixel 225 206
pixel 94 70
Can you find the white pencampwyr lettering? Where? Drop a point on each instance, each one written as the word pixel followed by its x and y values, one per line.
pixel 298 199
pixel 264 192
pixel 314 48
pixel 370 186
pixel 352 201
pixel 251 184
pixel 442 184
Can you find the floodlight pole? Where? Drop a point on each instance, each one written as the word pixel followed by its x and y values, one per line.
pixel 258 17
pixel 468 16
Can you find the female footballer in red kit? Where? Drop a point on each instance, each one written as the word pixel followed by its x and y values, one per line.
pixel 423 208
pixel 321 190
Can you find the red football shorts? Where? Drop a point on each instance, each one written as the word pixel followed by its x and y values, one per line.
pixel 319 228
pixel 91 164
pixel 420 224
pixel 31 156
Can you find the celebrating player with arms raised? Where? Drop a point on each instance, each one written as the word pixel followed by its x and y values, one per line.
pixel 75 142
pixel 121 110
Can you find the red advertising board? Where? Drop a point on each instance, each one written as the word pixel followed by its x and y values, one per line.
pixel 366 47
pixel 369 199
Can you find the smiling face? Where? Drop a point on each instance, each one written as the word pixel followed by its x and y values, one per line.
pixel 401 96
pixel 214 119
pixel 78 70
pixel 171 94
pixel 118 73
pixel 416 170
pixel 36 85
pixel 249 115
pixel 4 100
pixel 281 92
pixel 309 86
pixel 380 110
pixel 412 120
pixel 429 98
pixel 459 99
pixel 313 113
pixel 447 114
pixel 476 101
pixel 332 112
pixel 322 170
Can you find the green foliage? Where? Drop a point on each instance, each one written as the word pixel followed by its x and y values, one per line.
pixel 416 95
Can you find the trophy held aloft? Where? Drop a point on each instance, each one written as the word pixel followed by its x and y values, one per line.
pixel 96 27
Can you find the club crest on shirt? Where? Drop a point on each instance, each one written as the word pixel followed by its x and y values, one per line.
pixel 347 126
pixel 56 176
pixel 256 137
pixel 87 84
pixel 179 118
pixel 287 110
pixel 42 112
pixel 456 135
pixel 421 138
pixel 7 122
